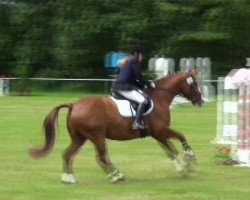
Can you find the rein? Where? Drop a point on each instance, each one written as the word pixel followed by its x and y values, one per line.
pixel 168 90
pixel 193 94
pixel 173 92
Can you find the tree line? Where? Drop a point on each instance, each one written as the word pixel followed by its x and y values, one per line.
pixel 70 38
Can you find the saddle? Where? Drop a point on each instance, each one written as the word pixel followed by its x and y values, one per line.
pixel 127 107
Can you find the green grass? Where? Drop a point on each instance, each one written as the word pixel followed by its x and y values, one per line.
pixel 150 174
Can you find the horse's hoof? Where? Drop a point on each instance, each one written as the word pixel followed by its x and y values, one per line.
pixel 184 173
pixel 116 177
pixel 122 179
pixel 191 169
pixel 189 152
pixel 191 162
pixel 189 158
pixel 68 178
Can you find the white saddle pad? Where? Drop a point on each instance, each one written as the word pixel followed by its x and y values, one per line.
pixel 126 110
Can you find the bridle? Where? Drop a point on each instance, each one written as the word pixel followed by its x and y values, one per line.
pixel 190 81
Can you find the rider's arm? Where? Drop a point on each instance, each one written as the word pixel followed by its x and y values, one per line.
pixel 139 76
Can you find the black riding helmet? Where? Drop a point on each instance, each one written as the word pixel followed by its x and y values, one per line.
pixel 136 48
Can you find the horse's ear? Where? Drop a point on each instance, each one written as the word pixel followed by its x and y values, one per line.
pixel 194 71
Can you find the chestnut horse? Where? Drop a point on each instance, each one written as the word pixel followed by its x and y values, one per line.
pixel 96 118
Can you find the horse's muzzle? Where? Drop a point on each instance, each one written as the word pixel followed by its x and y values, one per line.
pixel 197 101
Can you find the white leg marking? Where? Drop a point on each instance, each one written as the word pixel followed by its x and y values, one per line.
pixel 180 165
pixel 115 176
pixel 68 178
pixel 189 152
pixel 177 165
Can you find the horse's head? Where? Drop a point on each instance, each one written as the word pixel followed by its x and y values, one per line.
pixel 189 88
pixel 181 83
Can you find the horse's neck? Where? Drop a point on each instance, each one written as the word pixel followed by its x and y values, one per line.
pixel 169 87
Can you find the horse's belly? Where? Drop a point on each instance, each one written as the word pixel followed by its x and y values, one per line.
pixel 121 132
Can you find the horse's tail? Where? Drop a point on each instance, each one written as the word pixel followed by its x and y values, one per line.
pixel 49 132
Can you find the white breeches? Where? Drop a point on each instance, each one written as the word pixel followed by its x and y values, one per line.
pixel 134 95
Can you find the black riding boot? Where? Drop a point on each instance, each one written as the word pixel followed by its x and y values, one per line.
pixel 138 124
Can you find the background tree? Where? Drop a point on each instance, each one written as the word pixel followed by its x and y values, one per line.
pixel 70 38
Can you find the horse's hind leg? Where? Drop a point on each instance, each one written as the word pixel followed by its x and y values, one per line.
pixel 77 141
pixel 102 157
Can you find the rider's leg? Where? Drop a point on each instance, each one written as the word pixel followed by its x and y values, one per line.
pixel 138 97
pixel 138 124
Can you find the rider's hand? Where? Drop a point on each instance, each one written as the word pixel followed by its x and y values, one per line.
pixel 152 85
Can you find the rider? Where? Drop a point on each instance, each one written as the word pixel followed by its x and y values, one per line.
pixel 130 83
pixel 122 62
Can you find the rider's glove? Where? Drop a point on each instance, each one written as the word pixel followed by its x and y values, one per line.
pixel 152 85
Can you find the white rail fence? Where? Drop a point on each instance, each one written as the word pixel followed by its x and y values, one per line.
pixel 207 89
pixel 233 114
pixel 5 83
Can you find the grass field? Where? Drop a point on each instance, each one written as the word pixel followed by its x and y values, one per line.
pixel 150 174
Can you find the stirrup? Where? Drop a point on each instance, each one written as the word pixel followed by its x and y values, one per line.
pixel 137 125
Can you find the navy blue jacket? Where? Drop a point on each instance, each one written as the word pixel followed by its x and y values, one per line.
pixel 130 77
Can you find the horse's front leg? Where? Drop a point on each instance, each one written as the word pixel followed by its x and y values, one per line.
pixel 188 154
pixel 183 163
pixel 187 149
pixel 173 154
